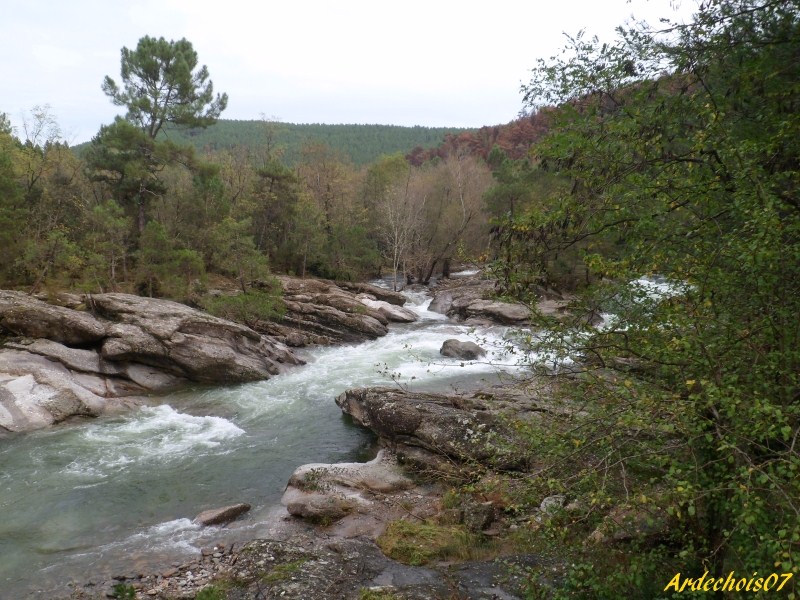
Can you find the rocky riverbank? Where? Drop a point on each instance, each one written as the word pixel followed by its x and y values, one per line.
pixel 85 355
pixel 330 548
pixel 312 563
pixel 104 352
pixel 321 312
pixel 342 512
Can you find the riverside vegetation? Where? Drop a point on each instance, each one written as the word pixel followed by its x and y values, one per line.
pixel 669 444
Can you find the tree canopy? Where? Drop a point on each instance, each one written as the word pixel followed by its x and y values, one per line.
pixel 678 147
pixel 162 84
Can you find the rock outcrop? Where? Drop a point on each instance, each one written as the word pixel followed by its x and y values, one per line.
pixel 324 312
pixel 58 362
pixel 328 492
pixel 467 299
pixel 433 431
pixel 393 313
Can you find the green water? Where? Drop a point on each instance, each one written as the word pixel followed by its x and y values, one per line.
pixel 87 500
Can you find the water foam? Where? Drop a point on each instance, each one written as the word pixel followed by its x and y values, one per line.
pixel 158 433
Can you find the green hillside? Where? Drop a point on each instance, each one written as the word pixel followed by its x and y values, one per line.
pixel 361 143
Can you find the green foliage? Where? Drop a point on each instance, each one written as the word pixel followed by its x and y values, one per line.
pixel 362 144
pixel 123 591
pixel 54 256
pixel 107 245
pixel 138 210
pixel 529 235
pixel 679 149
pixel 210 592
pixel 163 269
pixel 419 543
pixel 130 162
pixel 284 571
pixel 162 84
pixel 5 124
pixel 12 211
pixel 248 307
pixel 234 252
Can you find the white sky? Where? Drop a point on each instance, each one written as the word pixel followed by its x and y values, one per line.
pixel 409 62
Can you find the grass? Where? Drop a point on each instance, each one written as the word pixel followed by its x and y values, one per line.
pixel 211 592
pixel 123 591
pixel 283 572
pixel 377 594
pixel 417 543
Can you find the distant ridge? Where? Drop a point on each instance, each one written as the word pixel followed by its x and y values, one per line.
pixel 362 144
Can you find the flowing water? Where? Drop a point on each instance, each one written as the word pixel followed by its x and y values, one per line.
pixel 116 494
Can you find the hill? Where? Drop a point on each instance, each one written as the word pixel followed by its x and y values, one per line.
pixel 514 138
pixel 361 143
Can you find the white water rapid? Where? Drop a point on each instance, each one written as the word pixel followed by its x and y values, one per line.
pixel 112 495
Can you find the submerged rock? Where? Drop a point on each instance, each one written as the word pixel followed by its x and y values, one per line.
pixel 218 516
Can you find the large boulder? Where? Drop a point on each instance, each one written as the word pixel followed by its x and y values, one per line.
pixel 57 362
pixel 328 492
pixel 36 392
pixel 24 315
pixel 379 293
pixel 392 312
pixel 469 300
pixel 431 430
pixel 186 342
pixel 321 312
pixel 454 348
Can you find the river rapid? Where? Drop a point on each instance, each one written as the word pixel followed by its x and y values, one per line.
pixel 116 495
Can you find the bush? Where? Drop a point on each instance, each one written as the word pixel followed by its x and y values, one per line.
pixel 248 307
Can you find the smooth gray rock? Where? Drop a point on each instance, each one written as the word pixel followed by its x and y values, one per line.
pixel 218 516
pixel 464 350
pixel 432 429
pixel 552 504
pixel 24 315
pixel 468 299
pixel 36 392
pixel 128 346
pixel 379 293
pixel 186 342
pixel 498 312
pixel 328 492
pixel 321 312
pixel 393 313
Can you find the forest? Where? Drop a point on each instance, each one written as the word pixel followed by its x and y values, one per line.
pixel 670 152
pixel 156 205
pixel 360 144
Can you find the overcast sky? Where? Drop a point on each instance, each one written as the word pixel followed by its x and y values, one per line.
pixel 409 62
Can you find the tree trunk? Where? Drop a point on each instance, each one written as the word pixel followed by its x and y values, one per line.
pixel 141 220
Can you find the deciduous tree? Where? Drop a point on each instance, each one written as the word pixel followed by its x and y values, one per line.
pixel 681 148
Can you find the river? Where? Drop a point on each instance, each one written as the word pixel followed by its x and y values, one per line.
pixel 86 500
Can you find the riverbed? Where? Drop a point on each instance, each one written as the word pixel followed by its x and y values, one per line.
pixel 116 495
